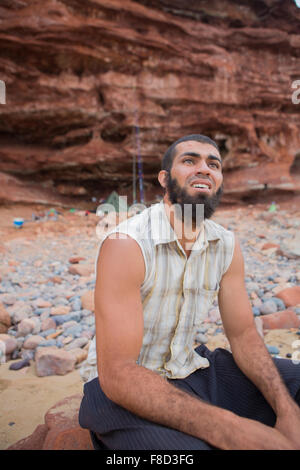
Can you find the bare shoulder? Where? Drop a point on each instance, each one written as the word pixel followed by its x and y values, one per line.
pixel 121 257
pixel 236 268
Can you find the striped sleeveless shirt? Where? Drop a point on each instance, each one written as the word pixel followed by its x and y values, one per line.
pixel 176 293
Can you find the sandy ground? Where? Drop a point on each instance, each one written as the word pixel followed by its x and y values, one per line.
pixel 25 398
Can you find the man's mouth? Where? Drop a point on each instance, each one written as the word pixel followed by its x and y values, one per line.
pixel 202 186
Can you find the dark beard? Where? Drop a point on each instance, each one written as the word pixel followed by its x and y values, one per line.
pixel 178 195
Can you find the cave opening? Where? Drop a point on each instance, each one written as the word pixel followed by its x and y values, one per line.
pixel 295 167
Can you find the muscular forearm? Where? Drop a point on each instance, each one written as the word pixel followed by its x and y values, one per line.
pixel 149 396
pixel 254 360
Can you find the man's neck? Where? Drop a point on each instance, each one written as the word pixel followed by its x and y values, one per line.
pixel 187 233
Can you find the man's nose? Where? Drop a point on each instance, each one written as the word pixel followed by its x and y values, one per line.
pixel 202 168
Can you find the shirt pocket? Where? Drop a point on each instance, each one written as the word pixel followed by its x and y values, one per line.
pixel 204 301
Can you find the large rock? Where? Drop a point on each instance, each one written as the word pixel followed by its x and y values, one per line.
pixel 290 296
pixel 284 319
pixel 53 361
pixel 216 67
pixel 61 430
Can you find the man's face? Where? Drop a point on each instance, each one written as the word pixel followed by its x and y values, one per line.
pixel 195 177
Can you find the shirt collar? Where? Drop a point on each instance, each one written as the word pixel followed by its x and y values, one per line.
pixel 163 232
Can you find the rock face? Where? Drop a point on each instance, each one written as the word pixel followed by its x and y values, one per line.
pixel 79 78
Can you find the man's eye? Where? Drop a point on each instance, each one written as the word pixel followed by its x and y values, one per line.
pixel 214 165
pixel 189 160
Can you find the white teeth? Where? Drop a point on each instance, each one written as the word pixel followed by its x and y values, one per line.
pixel 200 186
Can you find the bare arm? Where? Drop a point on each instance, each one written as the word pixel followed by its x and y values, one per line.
pixel 119 335
pixel 248 348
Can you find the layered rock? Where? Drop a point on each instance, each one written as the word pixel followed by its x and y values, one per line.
pixel 90 86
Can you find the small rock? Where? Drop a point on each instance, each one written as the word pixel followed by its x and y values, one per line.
pixel 267 246
pixel 19 311
pixel 82 269
pixel 62 310
pixel 10 343
pixel 272 349
pixel 33 342
pixel 290 296
pixel 79 354
pixel 268 307
pixel 41 303
pixel 87 301
pixel 19 365
pixel 25 327
pixel 79 343
pixel 256 311
pixel 47 324
pixel 53 361
pixel 76 259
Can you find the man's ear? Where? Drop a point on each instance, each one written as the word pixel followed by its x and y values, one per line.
pixel 162 178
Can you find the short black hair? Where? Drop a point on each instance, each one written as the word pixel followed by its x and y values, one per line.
pixel 168 157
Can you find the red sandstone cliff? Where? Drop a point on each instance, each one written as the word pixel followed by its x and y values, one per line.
pixel 75 72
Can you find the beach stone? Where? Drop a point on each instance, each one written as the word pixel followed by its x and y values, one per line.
pixel 256 311
pixel 53 361
pixel 279 302
pixel 61 310
pixel 268 307
pixel 87 301
pixel 284 319
pixel 77 343
pixel 25 327
pixel 9 341
pixel 47 324
pixel 290 296
pixel 33 341
pixel 42 303
pixel 5 321
pixel 81 269
pixel 60 319
pixel 47 343
pixel 56 279
pixel 252 286
pixel 76 259
pixel 19 311
pixel 269 245
pixel 19 364
pixel 272 349
pixel 8 299
pixel 79 354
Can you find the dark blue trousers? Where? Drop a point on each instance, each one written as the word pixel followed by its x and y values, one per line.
pixel 221 384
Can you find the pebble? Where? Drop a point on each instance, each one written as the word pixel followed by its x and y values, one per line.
pixel 272 349
pixel 20 364
pixel 268 307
